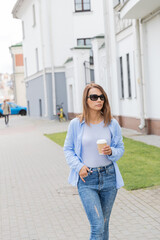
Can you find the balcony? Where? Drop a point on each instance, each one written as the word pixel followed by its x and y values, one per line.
pixel 135 9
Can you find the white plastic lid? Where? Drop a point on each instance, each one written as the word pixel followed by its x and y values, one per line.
pixel 101 141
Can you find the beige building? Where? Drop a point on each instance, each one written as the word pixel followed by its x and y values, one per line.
pixel 18 74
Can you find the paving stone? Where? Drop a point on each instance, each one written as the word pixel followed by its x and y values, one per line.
pixel 36 202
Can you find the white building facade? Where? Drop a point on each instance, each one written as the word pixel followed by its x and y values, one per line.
pixel 19 85
pixel 68 44
pixel 132 53
pixel 57 33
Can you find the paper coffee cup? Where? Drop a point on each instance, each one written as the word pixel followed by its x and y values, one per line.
pixel 100 144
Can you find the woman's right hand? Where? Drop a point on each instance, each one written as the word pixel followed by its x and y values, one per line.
pixel 83 172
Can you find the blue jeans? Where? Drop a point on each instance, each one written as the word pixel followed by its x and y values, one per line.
pixel 97 194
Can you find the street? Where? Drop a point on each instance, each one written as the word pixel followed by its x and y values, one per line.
pixel 36 201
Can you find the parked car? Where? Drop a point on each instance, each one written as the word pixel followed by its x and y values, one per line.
pixel 15 109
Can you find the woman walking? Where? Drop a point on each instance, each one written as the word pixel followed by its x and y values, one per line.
pixel 96 176
pixel 6 111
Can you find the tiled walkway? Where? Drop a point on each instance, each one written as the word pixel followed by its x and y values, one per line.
pixel 36 202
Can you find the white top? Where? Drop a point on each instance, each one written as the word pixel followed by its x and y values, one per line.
pixel 90 154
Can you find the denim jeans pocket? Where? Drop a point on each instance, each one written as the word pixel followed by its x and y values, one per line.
pixel 111 170
pixel 89 179
pixel 89 174
pixel 85 177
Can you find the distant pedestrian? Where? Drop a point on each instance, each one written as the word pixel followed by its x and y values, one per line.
pixel 6 111
pixel 95 173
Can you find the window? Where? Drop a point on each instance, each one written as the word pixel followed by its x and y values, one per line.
pixel 40 107
pixel 18 60
pixel 82 5
pixel 84 42
pixel 34 15
pixel 37 59
pixel 129 76
pixel 23 32
pixel 28 107
pixel 121 77
pixel 13 105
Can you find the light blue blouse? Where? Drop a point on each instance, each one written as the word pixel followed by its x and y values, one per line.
pixel 73 149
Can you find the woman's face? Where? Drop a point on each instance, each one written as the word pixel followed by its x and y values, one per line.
pixel 98 104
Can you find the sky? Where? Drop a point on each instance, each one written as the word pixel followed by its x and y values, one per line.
pixel 10 34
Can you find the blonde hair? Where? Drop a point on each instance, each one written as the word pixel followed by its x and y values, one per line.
pixel 105 111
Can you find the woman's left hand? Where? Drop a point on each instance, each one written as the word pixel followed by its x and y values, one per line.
pixel 107 150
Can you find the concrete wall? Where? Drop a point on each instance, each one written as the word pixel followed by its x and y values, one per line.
pixel 140 39
pixel 32 37
pixel 88 24
pixel 18 75
pixel 61 92
pixel 79 57
pixel 49 34
pixel 129 105
pixel 69 73
pixel 49 95
pixel 35 92
pixel 20 89
pixel 152 66
pixel 54 36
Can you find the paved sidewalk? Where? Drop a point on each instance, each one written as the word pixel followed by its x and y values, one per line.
pixel 148 139
pixel 36 202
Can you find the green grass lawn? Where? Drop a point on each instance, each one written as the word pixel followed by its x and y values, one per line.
pixel 140 164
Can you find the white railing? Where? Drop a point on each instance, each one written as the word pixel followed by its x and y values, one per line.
pixel 119 2
pixel 121 24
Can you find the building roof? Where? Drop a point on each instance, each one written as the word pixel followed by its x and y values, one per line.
pixel 17 45
pixel 99 36
pixel 81 47
pixel 69 60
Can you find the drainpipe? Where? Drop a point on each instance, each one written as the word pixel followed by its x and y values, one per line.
pixel 49 11
pixel 43 62
pixel 139 69
pixel 150 16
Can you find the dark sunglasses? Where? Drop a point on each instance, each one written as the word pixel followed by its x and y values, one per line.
pixel 94 97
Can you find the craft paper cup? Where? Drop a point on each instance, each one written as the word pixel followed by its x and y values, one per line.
pixel 100 144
